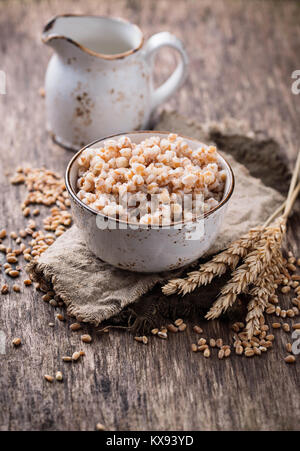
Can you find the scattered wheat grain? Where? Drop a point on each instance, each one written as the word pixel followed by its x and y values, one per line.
pixel 4 289
pixel 59 376
pixel 286 327
pixel 198 329
pixel 16 341
pixel 172 328
pixel 49 378
pixel 75 326
pixel 221 354
pixel 60 317
pixel 288 347
pixel 69 359
pixel 162 335
pixel 206 353
pixel 182 327
pixel 75 356
pixel 290 359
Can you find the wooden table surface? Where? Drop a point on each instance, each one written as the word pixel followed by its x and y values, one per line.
pixel 242 55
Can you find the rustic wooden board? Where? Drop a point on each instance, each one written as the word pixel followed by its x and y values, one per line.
pixel 242 56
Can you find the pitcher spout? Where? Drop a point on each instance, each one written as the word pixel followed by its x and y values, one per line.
pixel 56 35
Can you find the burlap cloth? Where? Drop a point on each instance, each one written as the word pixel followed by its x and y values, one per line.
pixel 94 291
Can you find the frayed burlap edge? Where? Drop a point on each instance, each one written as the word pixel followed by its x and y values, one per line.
pixel 49 281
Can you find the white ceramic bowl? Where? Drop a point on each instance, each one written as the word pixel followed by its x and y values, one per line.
pixel 145 249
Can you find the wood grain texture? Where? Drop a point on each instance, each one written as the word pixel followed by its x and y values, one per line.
pixel 242 56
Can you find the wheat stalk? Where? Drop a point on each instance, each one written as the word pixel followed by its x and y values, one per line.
pixel 255 263
pixel 231 256
pixel 259 252
pixel 216 267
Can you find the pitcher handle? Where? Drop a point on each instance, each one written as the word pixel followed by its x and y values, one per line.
pixel 156 42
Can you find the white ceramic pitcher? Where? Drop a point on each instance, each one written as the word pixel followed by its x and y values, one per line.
pixel 99 82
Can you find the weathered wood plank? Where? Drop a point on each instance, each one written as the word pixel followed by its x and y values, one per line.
pixel 242 55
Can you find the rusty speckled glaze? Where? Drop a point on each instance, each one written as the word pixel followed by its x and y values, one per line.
pixel 99 80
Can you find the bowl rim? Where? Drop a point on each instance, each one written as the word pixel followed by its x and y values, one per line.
pixel 120 221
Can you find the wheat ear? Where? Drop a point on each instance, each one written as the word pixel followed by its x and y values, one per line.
pixel 264 287
pixel 216 267
pixel 230 258
pixel 254 264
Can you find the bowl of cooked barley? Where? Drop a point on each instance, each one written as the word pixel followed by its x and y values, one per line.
pixel 149 201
